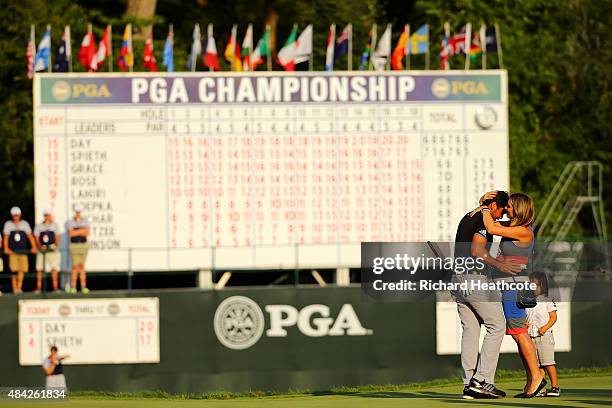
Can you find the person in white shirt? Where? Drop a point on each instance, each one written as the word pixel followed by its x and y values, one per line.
pixel 48 239
pixel 78 231
pixel 541 320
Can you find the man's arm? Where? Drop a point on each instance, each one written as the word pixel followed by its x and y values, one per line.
pixel 33 244
pixel 49 369
pixel 479 250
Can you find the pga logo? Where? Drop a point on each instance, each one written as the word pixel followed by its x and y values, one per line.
pixel 239 322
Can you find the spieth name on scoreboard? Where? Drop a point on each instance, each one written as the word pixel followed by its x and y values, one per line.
pixel 277 89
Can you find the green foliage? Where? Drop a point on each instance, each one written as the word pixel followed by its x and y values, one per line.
pixel 557 55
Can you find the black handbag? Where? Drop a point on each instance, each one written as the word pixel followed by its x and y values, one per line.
pixel 526 298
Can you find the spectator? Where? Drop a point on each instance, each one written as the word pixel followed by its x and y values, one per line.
pixel 54 370
pixel 78 231
pixel 48 240
pixel 16 234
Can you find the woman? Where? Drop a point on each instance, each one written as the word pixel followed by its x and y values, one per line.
pixel 517 245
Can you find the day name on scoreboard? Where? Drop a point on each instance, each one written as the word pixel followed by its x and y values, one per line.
pixel 265 170
pixel 91 331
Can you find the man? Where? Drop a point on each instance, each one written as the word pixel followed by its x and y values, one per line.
pixel 78 231
pixel 54 370
pixel 480 307
pixel 18 242
pixel 48 240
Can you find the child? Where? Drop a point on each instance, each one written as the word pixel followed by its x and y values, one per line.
pixel 541 319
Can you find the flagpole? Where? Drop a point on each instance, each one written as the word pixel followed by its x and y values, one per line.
pixel 372 46
pixel 209 35
pixel 499 45
pixel 110 47
pixel 50 53
pixel 33 41
pixel 407 30
pixel 68 48
pixel 269 56
pixel 447 36
pixel 249 49
pixel 234 34
pixel 483 45
pixel 350 48
pixel 467 44
pixel 131 48
pixel 332 30
pixel 310 61
pixel 388 64
pixel 427 51
pixel 194 60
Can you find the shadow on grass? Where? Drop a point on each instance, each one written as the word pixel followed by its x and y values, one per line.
pixel 594 402
pixel 595 392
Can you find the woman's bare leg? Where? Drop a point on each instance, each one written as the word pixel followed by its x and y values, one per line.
pixel 528 354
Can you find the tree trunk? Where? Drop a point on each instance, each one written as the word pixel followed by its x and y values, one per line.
pixel 272 21
pixel 144 9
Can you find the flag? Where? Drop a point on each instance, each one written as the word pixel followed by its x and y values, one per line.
pixel 445 48
pixel 196 48
pixel 30 52
pixel 87 50
pixel 400 51
pixel 148 57
pixel 43 55
pixel 262 49
pixel 329 53
pixel 247 48
pixel 365 56
pixel 126 53
pixel 211 59
pixel 418 43
pixel 303 47
pixel 342 43
pixel 457 43
pixel 383 50
pixel 104 50
pixel 475 47
pixel 286 55
pixel 232 51
pixel 491 40
pixel 64 53
pixel 168 55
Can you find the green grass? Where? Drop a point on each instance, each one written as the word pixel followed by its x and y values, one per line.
pixel 580 388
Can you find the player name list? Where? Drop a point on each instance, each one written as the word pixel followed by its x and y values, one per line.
pixel 167 178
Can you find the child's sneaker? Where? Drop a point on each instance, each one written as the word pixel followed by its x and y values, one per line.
pixel 553 392
pixel 85 291
pixel 542 393
pixel 73 291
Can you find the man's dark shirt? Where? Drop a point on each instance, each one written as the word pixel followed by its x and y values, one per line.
pixel 465 233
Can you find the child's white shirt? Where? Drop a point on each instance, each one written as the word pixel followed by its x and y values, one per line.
pixel 538 316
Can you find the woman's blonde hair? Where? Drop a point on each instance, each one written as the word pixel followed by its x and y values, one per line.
pixel 524 213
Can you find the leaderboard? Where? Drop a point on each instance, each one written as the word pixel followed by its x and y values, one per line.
pixel 265 170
